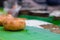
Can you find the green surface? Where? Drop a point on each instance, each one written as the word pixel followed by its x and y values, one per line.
pixel 1 9
pixel 47 19
pixel 29 33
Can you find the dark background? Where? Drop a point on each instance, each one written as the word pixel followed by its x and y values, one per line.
pixel 2 1
pixel 49 2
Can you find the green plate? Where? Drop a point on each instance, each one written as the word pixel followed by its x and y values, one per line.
pixel 29 33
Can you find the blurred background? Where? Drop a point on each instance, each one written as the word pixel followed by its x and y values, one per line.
pixel 51 4
pixel 28 8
